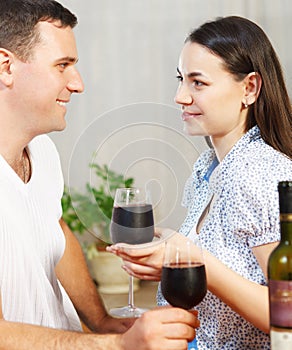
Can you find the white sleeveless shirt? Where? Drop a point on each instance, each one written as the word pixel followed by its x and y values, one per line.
pixel 32 242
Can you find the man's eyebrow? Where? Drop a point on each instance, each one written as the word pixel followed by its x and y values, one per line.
pixel 68 59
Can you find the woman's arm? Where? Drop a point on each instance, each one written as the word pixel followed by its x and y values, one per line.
pixel 248 299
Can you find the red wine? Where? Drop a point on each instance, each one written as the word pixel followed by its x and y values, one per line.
pixel 185 285
pixel 132 224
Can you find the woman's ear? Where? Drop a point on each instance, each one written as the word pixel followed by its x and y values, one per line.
pixel 252 84
pixel 6 60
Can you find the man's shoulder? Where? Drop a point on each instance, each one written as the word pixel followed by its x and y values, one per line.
pixel 42 140
pixel 42 143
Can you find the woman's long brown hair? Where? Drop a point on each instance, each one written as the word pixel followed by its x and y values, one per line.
pixel 245 48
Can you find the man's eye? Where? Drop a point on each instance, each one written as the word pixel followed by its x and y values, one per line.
pixel 63 65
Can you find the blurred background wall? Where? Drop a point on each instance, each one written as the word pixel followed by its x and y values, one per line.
pixel 126 118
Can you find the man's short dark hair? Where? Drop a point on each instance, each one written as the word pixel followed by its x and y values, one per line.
pixel 18 20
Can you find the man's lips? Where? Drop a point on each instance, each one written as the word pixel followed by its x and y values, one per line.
pixel 187 115
pixel 62 103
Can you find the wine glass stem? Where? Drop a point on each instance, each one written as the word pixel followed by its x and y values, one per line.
pixel 131 293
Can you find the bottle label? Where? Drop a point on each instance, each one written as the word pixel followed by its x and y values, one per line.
pixel 280 303
pixel 281 339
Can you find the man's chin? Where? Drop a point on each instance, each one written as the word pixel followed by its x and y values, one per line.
pixel 61 126
pixel 58 128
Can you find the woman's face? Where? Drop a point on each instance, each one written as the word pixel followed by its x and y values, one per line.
pixel 212 100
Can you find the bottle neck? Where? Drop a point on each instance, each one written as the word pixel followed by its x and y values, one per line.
pixel 286 228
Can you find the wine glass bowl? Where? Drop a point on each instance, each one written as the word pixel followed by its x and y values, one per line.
pixel 132 219
pixel 132 223
pixel 183 279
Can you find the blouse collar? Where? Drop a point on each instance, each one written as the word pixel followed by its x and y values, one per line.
pixel 205 172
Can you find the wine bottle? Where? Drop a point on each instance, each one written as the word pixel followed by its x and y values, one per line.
pixel 280 275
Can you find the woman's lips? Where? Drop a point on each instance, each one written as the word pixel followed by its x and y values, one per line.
pixel 186 116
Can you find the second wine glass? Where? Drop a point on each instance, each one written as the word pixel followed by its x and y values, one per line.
pixel 132 222
pixel 183 280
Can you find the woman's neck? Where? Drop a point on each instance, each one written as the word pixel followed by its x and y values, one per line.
pixel 223 144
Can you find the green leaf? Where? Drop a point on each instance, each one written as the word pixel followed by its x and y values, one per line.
pixel 93 208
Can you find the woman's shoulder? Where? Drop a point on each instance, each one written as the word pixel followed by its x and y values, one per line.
pixel 256 174
pixel 263 160
pixel 252 150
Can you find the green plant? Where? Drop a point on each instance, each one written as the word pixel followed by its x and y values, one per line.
pixel 91 211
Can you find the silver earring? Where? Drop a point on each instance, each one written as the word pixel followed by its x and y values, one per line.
pixel 245 105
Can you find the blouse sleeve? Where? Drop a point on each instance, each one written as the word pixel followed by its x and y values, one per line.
pixel 254 203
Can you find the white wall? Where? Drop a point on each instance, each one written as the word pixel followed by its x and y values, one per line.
pixel 128 53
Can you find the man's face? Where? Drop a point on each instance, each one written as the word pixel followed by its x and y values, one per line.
pixel 43 85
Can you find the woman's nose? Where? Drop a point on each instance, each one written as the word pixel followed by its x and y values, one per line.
pixel 183 95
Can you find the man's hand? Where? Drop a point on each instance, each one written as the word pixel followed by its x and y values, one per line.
pixel 164 328
pixel 115 325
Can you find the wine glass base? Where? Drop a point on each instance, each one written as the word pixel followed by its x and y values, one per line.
pixel 127 311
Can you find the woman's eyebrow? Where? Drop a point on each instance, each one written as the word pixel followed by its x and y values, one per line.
pixel 190 75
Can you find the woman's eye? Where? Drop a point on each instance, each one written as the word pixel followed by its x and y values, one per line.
pixel 198 83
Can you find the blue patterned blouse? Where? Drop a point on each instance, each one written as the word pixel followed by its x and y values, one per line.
pixel 244 214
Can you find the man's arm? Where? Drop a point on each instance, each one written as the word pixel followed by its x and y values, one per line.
pixel 19 336
pixel 163 328
pixel 73 274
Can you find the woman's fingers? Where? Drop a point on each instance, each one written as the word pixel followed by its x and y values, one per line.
pixel 144 272
pixel 131 251
pixel 149 256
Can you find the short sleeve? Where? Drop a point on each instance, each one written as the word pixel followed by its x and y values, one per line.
pixel 254 204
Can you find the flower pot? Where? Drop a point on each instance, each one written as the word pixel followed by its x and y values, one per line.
pixel 107 272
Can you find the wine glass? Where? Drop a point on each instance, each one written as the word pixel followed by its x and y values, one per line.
pixel 132 222
pixel 183 280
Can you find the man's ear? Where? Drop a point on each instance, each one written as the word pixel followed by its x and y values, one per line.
pixel 252 85
pixel 6 61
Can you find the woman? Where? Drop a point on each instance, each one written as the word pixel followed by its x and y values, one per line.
pixel 231 89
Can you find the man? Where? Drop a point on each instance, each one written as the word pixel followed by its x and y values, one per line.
pixel 44 282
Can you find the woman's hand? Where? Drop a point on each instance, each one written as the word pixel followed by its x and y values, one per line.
pixel 145 262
